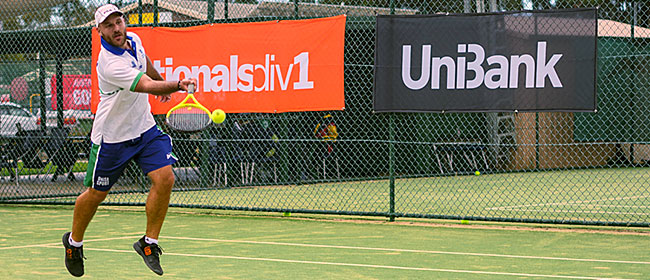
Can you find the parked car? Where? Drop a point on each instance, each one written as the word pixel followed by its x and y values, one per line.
pixel 36 147
pixel 12 114
pixel 79 121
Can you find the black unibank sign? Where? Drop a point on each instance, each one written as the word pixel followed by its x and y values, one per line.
pixel 524 61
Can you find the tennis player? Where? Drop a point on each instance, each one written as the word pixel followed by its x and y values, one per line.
pixel 124 130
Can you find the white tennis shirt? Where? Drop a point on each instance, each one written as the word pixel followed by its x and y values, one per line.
pixel 122 114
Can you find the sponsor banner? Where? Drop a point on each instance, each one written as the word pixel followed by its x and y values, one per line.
pixel 525 61
pixel 76 92
pixel 265 67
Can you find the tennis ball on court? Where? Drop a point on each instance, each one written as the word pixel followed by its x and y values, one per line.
pixel 286 214
pixel 465 222
pixel 477 173
pixel 218 116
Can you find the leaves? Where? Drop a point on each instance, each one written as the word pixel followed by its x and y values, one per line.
pixel 68 14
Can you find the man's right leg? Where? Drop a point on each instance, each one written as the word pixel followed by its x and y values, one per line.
pixel 84 210
pixel 106 163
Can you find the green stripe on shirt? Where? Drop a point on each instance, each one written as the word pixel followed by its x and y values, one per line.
pixel 135 82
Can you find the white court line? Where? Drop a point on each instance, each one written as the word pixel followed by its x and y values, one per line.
pixel 369 265
pixel 579 211
pixel 59 243
pixel 620 206
pixel 512 207
pixel 404 250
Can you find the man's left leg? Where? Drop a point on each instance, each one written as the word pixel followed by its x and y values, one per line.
pixel 155 160
pixel 157 203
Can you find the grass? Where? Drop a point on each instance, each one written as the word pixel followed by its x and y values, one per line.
pixel 570 196
pixel 79 166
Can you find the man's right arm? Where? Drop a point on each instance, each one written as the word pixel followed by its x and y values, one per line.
pixel 120 74
pixel 148 85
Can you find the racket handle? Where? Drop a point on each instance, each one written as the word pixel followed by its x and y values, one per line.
pixel 190 88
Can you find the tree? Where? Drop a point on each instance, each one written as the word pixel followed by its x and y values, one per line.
pixel 617 10
pixel 31 19
pixel 74 13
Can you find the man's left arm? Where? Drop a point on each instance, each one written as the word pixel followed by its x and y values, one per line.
pixel 152 72
pixel 154 75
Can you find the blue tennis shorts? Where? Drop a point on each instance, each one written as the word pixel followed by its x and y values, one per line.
pixel 151 151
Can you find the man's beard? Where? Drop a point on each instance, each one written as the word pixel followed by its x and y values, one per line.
pixel 111 39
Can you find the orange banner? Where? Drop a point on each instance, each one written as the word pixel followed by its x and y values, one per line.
pixel 265 67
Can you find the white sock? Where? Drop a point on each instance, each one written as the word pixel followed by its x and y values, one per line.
pixel 75 243
pixel 150 240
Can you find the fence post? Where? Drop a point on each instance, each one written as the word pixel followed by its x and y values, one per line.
pixel 155 12
pixel 391 151
pixel 210 18
pixel 633 20
pixel 41 88
pixel 295 8
pixel 225 9
pixel 140 12
pixel 391 165
pixel 59 88
pixel 634 64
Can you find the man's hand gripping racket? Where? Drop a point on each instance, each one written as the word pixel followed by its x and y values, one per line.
pixel 189 116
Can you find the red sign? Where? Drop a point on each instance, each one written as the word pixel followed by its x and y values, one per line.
pixel 19 88
pixel 76 92
pixel 271 67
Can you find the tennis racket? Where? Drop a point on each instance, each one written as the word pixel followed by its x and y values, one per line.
pixel 189 116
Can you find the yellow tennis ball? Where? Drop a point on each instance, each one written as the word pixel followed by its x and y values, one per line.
pixel 477 173
pixel 218 116
pixel 287 214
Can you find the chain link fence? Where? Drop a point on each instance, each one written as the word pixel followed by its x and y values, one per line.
pixel 554 167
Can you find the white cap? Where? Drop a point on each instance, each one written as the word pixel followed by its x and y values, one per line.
pixel 104 11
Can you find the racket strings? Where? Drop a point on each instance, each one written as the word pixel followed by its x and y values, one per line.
pixel 188 120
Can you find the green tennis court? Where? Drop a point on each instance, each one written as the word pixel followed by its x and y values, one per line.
pixel 227 245
pixel 560 192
